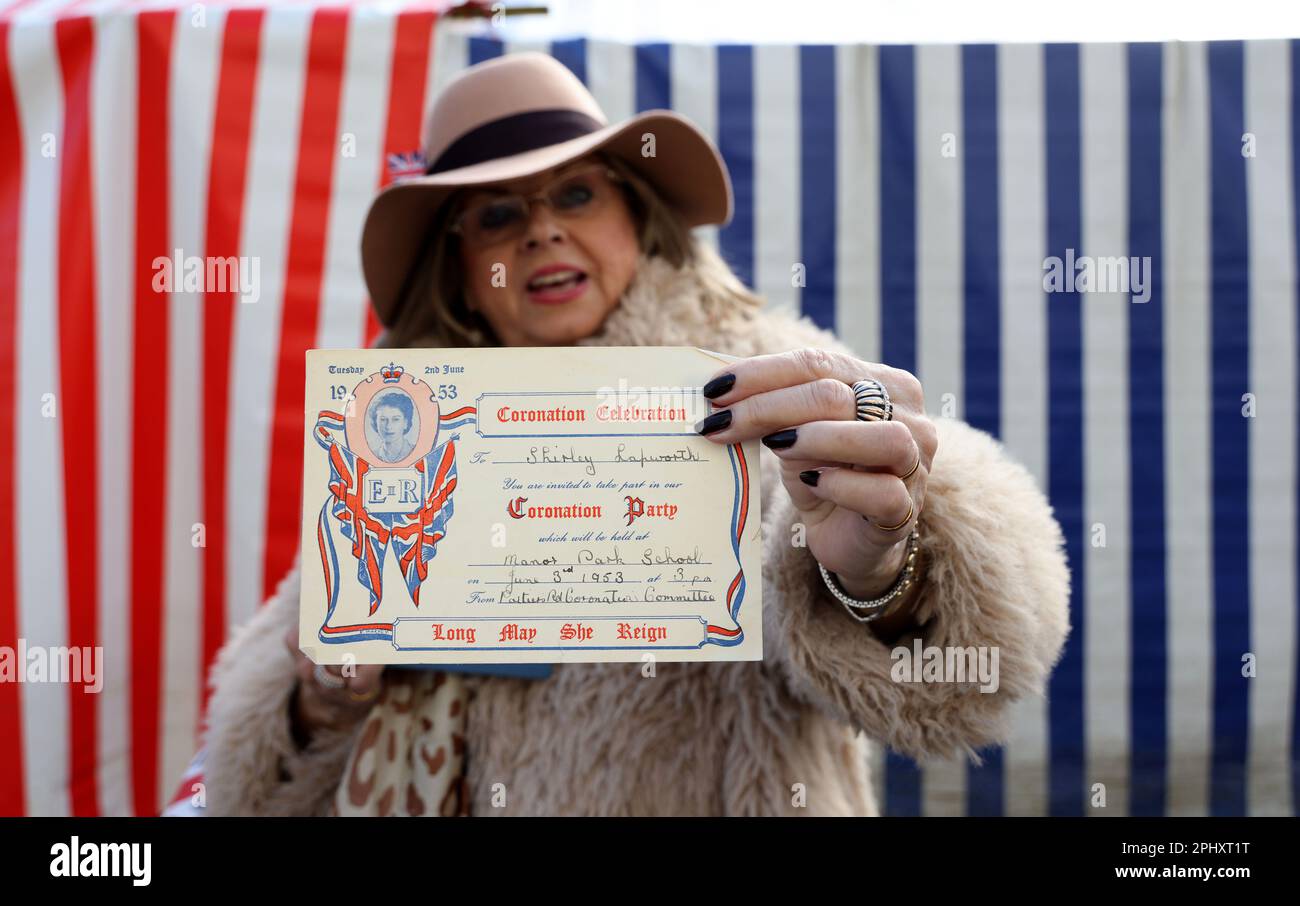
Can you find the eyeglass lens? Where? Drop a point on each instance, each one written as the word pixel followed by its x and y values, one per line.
pixel 504 218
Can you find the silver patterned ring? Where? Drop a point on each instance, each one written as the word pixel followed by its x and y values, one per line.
pixel 327 679
pixel 873 403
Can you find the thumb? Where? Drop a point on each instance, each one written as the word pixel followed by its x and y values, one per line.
pixel 367 678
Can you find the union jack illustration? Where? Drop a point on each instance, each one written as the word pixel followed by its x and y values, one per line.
pixel 414 535
pixel 405 164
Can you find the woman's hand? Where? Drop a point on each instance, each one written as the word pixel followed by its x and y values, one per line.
pixel 315 706
pixel 844 475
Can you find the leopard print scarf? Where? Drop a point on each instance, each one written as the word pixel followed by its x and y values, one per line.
pixel 409 758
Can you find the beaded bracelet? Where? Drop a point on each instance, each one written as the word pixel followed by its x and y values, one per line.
pixel 876 607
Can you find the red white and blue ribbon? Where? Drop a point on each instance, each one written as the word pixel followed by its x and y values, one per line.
pixel 719 635
pixel 414 535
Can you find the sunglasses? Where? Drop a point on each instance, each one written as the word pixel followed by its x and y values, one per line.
pixel 505 217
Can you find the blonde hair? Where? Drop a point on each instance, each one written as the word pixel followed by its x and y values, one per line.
pixel 434 311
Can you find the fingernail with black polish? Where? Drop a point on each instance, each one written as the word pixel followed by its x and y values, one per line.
pixel 715 422
pixel 719 385
pixel 810 477
pixel 780 439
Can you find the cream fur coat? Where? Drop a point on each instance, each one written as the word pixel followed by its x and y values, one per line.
pixel 712 739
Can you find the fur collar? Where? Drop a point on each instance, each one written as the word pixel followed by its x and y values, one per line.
pixel 670 306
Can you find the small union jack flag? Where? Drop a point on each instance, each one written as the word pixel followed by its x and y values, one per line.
pixel 406 164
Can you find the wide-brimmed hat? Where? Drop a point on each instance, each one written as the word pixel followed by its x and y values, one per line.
pixel 519 115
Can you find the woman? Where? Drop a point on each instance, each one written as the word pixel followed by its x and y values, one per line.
pixel 539 225
pixel 392 416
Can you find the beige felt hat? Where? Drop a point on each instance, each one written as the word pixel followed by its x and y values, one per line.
pixel 515 116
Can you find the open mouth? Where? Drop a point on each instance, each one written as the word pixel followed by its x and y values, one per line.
pixel 556 285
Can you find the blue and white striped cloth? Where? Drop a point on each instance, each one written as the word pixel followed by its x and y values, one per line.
pixel 922 188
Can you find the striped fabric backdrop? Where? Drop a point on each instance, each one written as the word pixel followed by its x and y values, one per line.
pixel 921 187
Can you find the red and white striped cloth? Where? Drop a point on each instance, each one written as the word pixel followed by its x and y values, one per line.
pixel 128 131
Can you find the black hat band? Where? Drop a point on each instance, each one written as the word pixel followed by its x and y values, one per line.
pixel 514 134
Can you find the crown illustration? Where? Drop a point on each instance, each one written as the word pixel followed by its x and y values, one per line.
pixel 391 373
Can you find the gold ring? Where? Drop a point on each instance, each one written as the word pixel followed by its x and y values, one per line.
pixel 906 519
pixel 370 696
pixel 915 466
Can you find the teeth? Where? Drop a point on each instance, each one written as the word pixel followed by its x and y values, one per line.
pixel 555 279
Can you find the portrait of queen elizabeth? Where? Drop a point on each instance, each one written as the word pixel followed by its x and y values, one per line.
pixel 392 426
